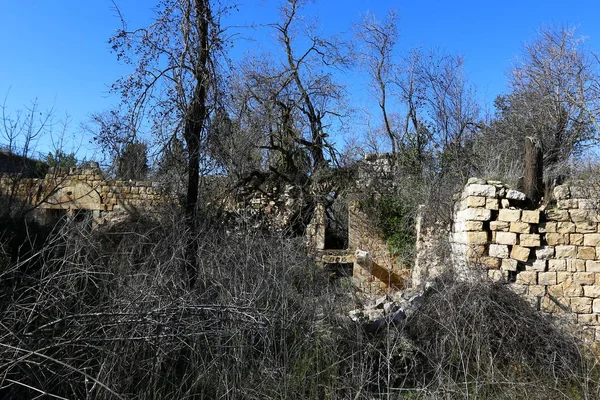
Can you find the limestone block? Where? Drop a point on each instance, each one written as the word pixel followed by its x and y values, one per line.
pixel 499 226
pixel 504 203
pixel 549 305
pixel 519 253
pixel 591 291
pixel 584 278
pixel 473 226
pixel 527 278
pixel 555 290
pixel 530 216
pixel 547 278
pixel 474 214
pixel 579 192
pixel 481 190
pixel 495 275
pixel 576 239
pixel 509 215
pixel 529 240
pixel 475 201
pixel 498 250
pixel 475 251
pixel 536 265
pixel 557 265
pixel 555 239
pixel 512 194
pixel 557 215
pixel 591 239
pixel 571 289
pixel 562 192
pixel 586 227
pixel 587 319
pixel 518 288
pixel 575 265
pixel 567 204
pixel 564 251
pixel 508 238
pixel 490 262
pixel 544 227
pixel 581 305
pixel 582 216
pixel 520 227
pixel 544 252
pixel 586 252
pixel 596 306
pixel 536 290
pixel 565 227
pixel 588 204
pixel 509 265
pixel 492 204
pixel 477 237
pixel 592 266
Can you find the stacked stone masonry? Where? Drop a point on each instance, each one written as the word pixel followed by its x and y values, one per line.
pixel 83 188
pixel 550 255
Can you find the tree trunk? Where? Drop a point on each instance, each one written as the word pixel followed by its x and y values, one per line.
pixel 533 179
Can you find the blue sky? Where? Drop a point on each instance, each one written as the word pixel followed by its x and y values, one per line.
pixel 57 50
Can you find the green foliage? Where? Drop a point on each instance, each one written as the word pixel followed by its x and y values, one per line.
pixel 61 159
pixel 394 216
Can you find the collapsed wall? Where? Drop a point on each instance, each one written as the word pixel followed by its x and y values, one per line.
pixel 550 255
pixel 82 189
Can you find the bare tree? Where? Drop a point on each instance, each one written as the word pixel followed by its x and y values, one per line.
pixel 174 85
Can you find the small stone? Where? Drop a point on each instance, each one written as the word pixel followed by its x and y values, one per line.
pixel 564 252
pixel 498 250
pixel 586 252
pixel 499 226
pixel 557 265
pixel 554 239
pixel 592 266
pixel 481 190
pixel 529 240
pixel 475 201
pixel 530 216
pixel 547 278
pixel 520 227
pixel 527 278
pixel 507 238
pixel 591 239
pixel 509 265
pixel 537 265
pixel 544 253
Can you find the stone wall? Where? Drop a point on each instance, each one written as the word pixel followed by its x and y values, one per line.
pixel 82 188
pixel 550 255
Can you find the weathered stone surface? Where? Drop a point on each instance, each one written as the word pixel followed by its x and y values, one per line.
pixel 555 290
pixel 530 216
pixel 591 291
pixel 520 227
pixel 507 238
pixel 475 180
pixel 520 253
pixel 596 306
pixel 584 278
pixel 575 265
pixel 529 240
pixel 512 194
pixel 564 252
pixel 475 201
pixel 547 278
pixel 576 239
pixel 492 204
pixel 562 192
pixel 557 265
pixel 565 227
pixel 490 262
pixel 536 265
pixel 568 204
pixel 538 290
pixel 495 275
pixel 591 239
pixel 582 216
pixel 586 227
pixel 473 226
pixel 509 265
pixel 586 252
pixel 477 237
pixel 548 226
pixel 499 226
pixel 498 250
pixel 544 253
pixel 592 266
pixel 475 214
pixel 587 319
pixel 527 278
pixel 581 305
pixel 557 215
pixel 481 190
pixel 555 239
pixel 509 215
